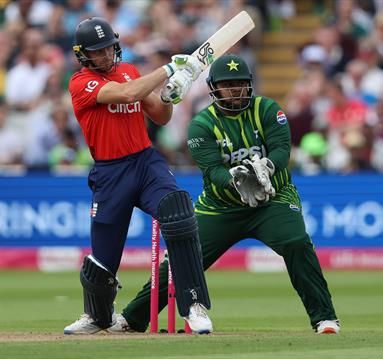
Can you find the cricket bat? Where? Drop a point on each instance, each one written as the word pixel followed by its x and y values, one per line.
pixel 223 40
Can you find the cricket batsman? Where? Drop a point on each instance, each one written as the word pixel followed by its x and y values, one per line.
pixel 241 143
pixel 109 100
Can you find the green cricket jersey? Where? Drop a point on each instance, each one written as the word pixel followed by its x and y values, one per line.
pixel 218 142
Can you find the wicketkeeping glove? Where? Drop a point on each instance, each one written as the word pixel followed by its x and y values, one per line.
pixel 263 169
pixel 248 186
pixel 180 83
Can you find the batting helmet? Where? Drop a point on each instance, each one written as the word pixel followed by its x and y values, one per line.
pixel 93 34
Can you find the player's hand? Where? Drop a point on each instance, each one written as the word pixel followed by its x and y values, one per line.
pixel 263 168
pixel 248 186
pixel 177 87
pixel 188 63
pixel 184 62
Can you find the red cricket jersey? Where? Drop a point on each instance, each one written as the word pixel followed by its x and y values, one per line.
pixel 110 130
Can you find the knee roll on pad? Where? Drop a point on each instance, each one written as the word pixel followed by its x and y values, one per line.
pixel 179 229
pixel 100 289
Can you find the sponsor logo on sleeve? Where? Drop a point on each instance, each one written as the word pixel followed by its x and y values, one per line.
pixel 91 85
pixel 281 118
pixel 294 207
pixel 195 142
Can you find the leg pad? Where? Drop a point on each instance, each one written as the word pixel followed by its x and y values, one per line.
pixel 179 229
pixel 100 289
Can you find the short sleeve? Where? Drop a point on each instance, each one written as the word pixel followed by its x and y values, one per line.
pixel 84 90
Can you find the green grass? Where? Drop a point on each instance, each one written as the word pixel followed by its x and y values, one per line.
pixel 255 316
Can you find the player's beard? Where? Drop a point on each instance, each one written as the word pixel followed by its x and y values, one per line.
pixel 107 64
pixel 237 102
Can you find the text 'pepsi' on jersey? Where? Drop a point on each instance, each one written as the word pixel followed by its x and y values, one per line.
pixel 110 130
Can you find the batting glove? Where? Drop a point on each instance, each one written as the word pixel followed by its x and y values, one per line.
pixel 184 62
pixel 177 87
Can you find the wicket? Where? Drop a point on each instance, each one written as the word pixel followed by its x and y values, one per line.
pixel 154 288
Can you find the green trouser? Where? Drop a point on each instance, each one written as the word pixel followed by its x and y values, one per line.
pixel 276 225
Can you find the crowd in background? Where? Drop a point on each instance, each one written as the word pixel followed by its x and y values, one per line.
pixel 335 107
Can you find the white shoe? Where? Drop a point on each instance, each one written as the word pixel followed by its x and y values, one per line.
pixel 121 326
pixel 198 320
pixel 328 327
pixel 83 325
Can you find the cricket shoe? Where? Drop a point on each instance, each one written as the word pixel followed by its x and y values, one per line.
pixel 84 325
pixel 121 326
pixel 328 327
pixel 198 320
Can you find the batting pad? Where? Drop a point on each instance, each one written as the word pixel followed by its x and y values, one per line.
pixel 100 289
pixel 180 231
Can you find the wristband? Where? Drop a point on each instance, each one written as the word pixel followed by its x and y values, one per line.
pixel 169 69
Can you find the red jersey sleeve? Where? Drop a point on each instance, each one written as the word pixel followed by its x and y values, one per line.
pixel 84 87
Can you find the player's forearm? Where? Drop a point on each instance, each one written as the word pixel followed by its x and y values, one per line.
pixel 280 158
pixel 159 112
pixel 138 89
pixel 220 176
pixel 131 91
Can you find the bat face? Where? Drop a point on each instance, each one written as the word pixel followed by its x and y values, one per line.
pixel 224 38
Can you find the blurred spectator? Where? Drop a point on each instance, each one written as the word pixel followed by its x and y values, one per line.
pixel 121 15
pixel 351 19
pixel 44 133
pixel 352 79
pixel 28 13
pixel 309 157
pixel 343 117
pixel 377 140
pixel 26 81
pixel 313 56
pixel 69 154
pixel 376 36
pixel 372 81
pixel 340 48
pixel 363 78
pixel 344 113
pixel 299 111
pixel 356 144
pixel 279 10
pixel 304 103
pixel 6 48
pixel 11 142
pixel 71 13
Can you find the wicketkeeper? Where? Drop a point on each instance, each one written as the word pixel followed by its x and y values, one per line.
pixel 241 143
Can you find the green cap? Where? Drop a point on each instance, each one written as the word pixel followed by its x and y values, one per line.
pixel 229 67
